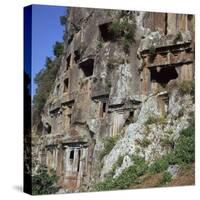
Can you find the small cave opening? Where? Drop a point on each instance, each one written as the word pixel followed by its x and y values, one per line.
pixel 164 75
pixel 130 118
pixel 103 109
pixel 66 85
pixel 92 134
pixel 131 114
pixel 76 56
pixel 87 67
pixel 68 61
pixel 106 33
pixel 47 128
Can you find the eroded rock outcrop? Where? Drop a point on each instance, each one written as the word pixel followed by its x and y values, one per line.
pixel 115 73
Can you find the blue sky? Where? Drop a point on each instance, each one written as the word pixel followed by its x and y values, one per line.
pixel 46 30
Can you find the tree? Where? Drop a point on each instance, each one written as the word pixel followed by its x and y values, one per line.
pixel 44 80
pixel 44 183
pixel 58 49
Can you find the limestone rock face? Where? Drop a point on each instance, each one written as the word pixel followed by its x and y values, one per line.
pixel 115 73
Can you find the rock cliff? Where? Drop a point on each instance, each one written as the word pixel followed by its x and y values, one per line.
pixel 119 81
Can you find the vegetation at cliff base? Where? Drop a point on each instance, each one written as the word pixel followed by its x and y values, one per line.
pixel 183 154
pixel 44 183
pixel 109 143
pixel 127 177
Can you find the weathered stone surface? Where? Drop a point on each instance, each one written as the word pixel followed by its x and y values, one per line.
pixel 103 91
pixel 173 170
pixel 126 163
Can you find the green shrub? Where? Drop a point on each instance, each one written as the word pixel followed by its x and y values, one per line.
pixel 154 119
pixel 105 185
pixel 151 120
pixel 192 119
pixel 58 49
pixel 166 177
pixel 109 143
pixel 159 166
pixel 184 152
pixel 44 80
pixel 116 29
pixel 187 87
pixel 63 19
pixel 126 178
pixel 124 31
pixel 119 161
pixel 185 146
pixel 43 183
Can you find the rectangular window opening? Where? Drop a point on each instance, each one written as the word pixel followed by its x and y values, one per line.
pixel 87 67
pixel 71 157
pixel 104 107
pixel 66 85
pixel 131 114
pixel 164 75
pixel 106 33
pixel 76 56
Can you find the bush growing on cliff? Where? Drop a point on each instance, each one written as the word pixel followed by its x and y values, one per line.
pixel 43 183
pixel 126 178
pixel 118 163
pixel 58 49
pixel 185 146
pixel 187 87
pixel 63 19
pixel 155 119
pixel 166 177
pixel 125 31
pixel 109 143
pixel 44 80
pixel 184 152
pixel 145 142
pixel 151 120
